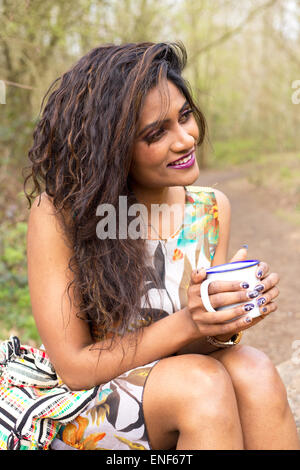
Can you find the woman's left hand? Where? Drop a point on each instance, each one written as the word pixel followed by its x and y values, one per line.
pixel 266 287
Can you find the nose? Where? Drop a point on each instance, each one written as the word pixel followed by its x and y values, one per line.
pixel 183 141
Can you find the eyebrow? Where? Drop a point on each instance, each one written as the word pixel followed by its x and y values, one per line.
pixel 156 123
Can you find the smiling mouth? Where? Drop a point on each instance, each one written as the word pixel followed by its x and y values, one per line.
pixel 183 160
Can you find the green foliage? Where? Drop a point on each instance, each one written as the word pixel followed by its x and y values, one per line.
pixel 285 173
pixel 234 152
pixel 15 305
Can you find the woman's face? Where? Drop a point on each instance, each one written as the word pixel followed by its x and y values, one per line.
pixel 158 146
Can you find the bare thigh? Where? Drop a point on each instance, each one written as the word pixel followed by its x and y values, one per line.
pixel 184 390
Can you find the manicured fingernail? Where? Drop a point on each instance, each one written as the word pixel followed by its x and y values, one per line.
pixel 264 309
pixel 259 287
pixel 248 307
pixel 245 246
pixel 252 294
pixel 261 301
pixel 260 273
pixel 244 285
pixel 248 319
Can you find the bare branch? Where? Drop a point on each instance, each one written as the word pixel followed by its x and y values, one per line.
pixel 18 85
pixel 228 34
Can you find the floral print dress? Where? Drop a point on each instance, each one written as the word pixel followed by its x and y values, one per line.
pixel 114 419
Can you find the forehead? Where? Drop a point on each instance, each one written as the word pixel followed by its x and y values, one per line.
pixel 161 102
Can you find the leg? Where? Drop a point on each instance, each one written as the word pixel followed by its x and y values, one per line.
pixel 266 419
pixel 189 403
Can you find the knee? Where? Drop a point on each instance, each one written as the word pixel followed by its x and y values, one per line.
pixel 202 373
pixel 205 384
pixel 256 378
pixel 186 393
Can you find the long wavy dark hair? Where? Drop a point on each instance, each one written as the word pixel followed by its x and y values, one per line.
pixel 81 157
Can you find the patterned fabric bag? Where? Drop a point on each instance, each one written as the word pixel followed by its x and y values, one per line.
pixel 33 402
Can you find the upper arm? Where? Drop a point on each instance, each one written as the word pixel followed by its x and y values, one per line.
pixel 224 214
pixel 48 255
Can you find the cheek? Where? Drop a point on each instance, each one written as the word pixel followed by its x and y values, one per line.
pixel 193 129
pixel 145 158
pixel 147 164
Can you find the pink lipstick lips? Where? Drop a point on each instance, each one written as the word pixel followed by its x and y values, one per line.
pixel 183 162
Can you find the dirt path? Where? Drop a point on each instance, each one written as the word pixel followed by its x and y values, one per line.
pixel 274 240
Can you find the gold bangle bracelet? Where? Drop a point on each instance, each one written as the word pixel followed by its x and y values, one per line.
pixel 235 339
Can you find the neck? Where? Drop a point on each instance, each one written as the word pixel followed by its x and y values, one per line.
pixel 149 196
pixel 168 195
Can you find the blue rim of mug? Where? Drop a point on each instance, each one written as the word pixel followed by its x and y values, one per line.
pixel 248 263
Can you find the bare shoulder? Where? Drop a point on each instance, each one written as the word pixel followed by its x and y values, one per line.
pixel 42 206
pixel 44 228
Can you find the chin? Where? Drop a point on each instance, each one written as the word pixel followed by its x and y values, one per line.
pixel 189 178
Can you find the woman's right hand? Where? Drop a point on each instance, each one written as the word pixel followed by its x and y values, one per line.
pixel 222 293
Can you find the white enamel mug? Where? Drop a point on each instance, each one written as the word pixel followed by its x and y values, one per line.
pixel 236 271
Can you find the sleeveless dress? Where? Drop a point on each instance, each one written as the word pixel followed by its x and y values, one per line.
pixel 114 419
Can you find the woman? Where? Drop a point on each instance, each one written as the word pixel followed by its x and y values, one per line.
pixel 124 313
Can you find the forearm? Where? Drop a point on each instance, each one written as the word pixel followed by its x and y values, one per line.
pixel 200 346
pixel 98 363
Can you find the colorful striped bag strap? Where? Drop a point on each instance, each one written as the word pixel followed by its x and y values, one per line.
pixel 33 402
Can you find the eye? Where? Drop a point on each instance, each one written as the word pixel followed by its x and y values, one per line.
pixel 154 136
pixel 185 115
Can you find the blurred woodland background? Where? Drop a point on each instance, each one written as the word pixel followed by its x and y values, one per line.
pixel 243 65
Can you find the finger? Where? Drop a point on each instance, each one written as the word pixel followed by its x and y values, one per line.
pixel 241 254
pixel 262 270
pixel 223 316
pixel 268 297
pixel 198 276
pixel 270 281
pixel 216 287
pixel 232 327
pixel 265 310
pixel 223 298
pixel 230 298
